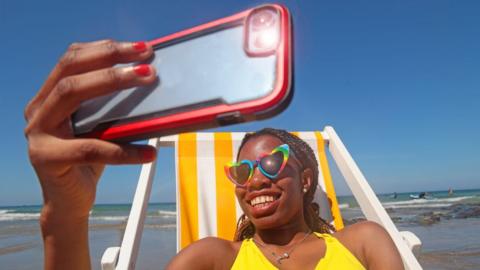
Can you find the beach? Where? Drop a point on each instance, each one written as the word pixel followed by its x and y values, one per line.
pixel 447 225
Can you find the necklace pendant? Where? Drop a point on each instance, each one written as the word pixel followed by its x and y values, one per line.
pixel 284 256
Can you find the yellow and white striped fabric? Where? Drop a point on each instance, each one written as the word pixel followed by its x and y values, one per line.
pixel 206 203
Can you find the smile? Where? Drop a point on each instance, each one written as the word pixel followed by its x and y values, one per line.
pixel 262 201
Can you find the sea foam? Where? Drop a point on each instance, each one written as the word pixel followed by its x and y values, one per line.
pixel 8 215
pixel 109 218
pixel 167 213
pixel 425 203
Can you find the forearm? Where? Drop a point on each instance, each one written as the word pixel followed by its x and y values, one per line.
pixel 65 243
pixel 69 168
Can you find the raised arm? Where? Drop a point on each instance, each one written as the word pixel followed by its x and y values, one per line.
pixel 69 168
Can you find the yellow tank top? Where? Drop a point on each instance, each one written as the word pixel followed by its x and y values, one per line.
pixel 337 256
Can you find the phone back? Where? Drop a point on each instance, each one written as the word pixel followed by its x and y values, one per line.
pixel 203 76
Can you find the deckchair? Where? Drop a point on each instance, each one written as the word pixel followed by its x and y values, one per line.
pixel 206 205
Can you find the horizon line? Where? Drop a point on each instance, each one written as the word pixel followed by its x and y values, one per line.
pixel 173 202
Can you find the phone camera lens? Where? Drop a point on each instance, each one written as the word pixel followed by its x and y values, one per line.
pixel 263 19
pixel 263 31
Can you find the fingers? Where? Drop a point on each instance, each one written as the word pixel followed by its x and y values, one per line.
pixel 85 57
pixel 58 152
pixel 88 151
pixel 82 45
pixel 103 54
pixel 71 91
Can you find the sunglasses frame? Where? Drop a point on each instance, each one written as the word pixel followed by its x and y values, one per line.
pixel 284 148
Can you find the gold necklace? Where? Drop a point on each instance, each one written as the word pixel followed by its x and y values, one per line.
pixel 285 255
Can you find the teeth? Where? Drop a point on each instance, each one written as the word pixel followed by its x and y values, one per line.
pixel 261 199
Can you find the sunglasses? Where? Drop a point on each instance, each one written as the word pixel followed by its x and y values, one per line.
pixel 270 165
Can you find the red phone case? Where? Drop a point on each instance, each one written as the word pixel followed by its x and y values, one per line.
pixel 217 115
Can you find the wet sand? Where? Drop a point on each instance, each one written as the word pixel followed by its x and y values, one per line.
pixel 450 260
pixel 448 229
pixel 451 244
pixel 157 247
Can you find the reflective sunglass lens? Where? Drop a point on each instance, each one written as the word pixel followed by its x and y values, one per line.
pixel 240 173
pixel 271 164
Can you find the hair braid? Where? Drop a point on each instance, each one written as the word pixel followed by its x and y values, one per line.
pixel 305 154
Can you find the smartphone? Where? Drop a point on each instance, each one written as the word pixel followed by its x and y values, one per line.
pixel 232 70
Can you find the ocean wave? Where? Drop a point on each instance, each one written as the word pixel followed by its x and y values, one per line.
pixel 11 215
pixel 8 215
pixel 158 214
pixel 109 218
pixel 423 202
pixel 343 206
pixel 160 226
pixel 433 205
pixel 167 213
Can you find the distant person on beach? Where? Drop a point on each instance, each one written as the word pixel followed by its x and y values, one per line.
pixel 281 224
pixel 450 192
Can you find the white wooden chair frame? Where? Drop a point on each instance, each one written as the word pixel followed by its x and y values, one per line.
pixel 124 257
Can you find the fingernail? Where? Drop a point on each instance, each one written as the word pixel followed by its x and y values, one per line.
pixel 140 46
pixel 149 154
pixel 142 70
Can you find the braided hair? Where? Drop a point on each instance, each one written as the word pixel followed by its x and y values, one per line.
pixel 303 152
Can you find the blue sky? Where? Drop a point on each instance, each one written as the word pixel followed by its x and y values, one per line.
pixel 398 80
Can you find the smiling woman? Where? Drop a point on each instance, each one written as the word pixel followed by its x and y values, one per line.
pixel 275 176
pixel 275 180
pixel 309 172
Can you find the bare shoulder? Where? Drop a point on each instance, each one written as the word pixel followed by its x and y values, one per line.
pixel 355 237
pixel 215 253
pixel 370 243
pixel 361 231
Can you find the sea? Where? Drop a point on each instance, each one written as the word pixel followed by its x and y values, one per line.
pixel 447 224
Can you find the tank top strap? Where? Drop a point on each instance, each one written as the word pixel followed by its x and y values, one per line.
pixel 337 256
pixel 326 236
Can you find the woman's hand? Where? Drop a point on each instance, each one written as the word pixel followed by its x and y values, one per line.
pixel 69 168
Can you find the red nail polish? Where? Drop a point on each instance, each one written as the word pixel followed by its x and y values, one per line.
pixel 142 70
pixel 149 154
pixel 140 46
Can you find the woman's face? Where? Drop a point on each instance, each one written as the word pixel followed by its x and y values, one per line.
pixel 286 190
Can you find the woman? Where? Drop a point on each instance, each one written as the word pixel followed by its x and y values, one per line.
pixel 281 227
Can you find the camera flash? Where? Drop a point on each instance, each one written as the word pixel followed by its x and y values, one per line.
pixel 267 39
pixel 262 32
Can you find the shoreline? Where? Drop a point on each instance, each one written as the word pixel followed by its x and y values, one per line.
pixel 446 225
pixel 158 245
